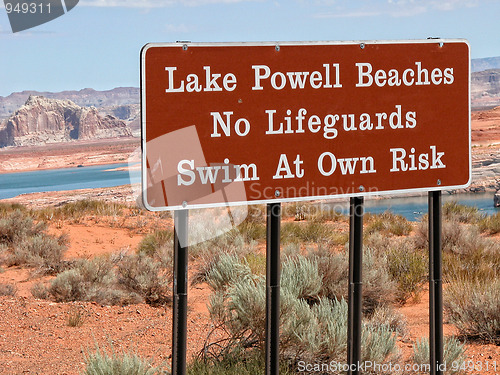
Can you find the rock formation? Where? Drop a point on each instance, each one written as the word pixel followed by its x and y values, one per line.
pixel 41 120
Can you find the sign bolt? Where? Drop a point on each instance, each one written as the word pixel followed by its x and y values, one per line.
pixel 277 47
pixel 277 193
pixel 184 204
pixel 362 45
pixel 439 182
pixel 185 47
pixel 361 188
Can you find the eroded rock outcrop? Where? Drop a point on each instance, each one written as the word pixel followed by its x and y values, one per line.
pixel 41 120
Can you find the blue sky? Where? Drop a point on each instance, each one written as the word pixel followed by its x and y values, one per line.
pixel 97 44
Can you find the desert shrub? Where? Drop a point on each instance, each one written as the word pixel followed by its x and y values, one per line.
pixel 453 211
pixel 68 286
pixel 25 242
pixel 7 208
pixel 320 213
pixel 226 270
pixel 333 269
pixel 474 308
pixel 301 278
pixel 386 316
pixel 408 267
pixel 490 224
pixel 466 253
pixel 92 280
pixel 306 232
pixel 40 291
pixel 388 223
pixel 76 317
pixel 252 230
pixel 295 210
pixel 101 363
pixel 41 251
pixel 239 363
pixel 326 213
pixel 144 276
pixel 84 207
pixel 152 242
pixel 453 352
pixel 257 263
pixel 8 290
pixel 310 326
pixel 377 343
pixel 18 225
pixel 378 288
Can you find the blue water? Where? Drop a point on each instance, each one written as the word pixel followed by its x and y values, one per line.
pixel 414 207
pixel 13 184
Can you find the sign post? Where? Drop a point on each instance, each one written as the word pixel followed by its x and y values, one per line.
pixel 355 295
pixel 179 313
pixel 273 288
pixel 435 285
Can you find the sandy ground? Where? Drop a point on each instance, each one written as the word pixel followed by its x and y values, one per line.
pixel 35 337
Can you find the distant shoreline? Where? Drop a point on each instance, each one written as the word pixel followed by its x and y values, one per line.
pixel 69 155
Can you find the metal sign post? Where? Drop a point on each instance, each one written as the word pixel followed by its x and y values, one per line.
pixel 435 284
pixel 355 296
pixel 273 288
pixel 179 319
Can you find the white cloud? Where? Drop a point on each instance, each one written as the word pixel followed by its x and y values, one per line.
pixel 182 28
pixel 153 3
pixel 394 8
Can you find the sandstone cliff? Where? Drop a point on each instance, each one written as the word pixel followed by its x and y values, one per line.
pixel 85 98
pixel 485 89
pixel 41 120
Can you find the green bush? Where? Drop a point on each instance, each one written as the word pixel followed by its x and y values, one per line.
pixel 41 251
pixel 8 290
pixel 101 363
pixel 490 224
pixel 453 351
pixel 466 254
pixel 453 211
pixel 25 242
pixel 409 268
pixel 40 291
pixel 311 232
pixel 311 326
pixel 18 225
pixel 239 363
pixel 474 308
pixel 77 210
pixel 144 276
pixel 387 223
pixel 153 242
pixel 128 279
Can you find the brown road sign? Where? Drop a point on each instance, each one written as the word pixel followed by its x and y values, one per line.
pixel 262 122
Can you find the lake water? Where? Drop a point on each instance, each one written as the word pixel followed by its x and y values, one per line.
pixel 13 184
pixel 414 207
